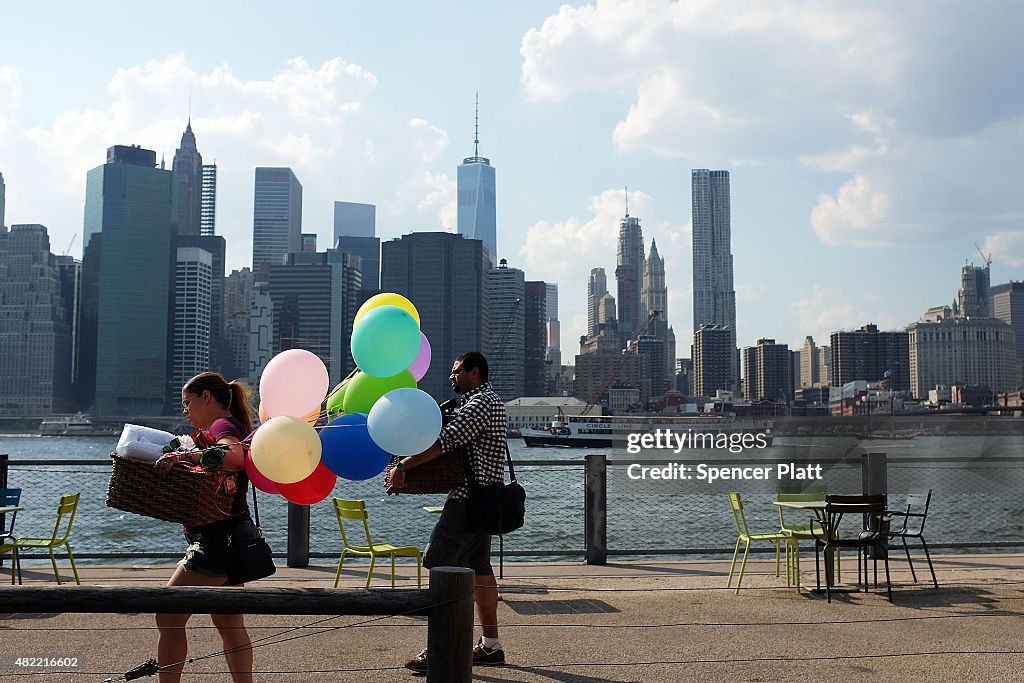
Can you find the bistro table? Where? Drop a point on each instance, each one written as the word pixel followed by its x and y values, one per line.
pixel 818 508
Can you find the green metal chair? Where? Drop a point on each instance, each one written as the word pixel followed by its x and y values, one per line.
pixel 59 537
pixel 745 536
pixel 798 532
pixel 356 510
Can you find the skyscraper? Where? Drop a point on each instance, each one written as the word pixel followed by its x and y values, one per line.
pixel 276 219
pixel 353 219
pixel 972 300
pixel 712 348
pixel 355 231
pixel 767 372
pixel 126 284
pixel 193 300
pixel 187 185
pixel 1007 301
pixel 216 246
pixel 553 354
pixel 629 274
pixel 314 298
pixel 506 350
pixel 208 202
pixel 3 199
pixel 443 275
pixel 867 354
pixel 535 371
pixel 971 352
pixel 714 297
pixel 238 294
pixel 597 287
pixel 477 213
pixel 655 298
pixel 35 338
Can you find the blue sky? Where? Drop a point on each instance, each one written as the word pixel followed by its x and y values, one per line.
pixel 871 145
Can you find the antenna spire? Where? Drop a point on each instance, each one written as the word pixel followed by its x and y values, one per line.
pixel 476 127
pixel 627 201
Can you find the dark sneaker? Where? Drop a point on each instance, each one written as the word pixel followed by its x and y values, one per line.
pixel 418 664
pixel 485 656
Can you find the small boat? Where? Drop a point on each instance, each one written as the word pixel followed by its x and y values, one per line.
pixel 73 425
pixel 888 436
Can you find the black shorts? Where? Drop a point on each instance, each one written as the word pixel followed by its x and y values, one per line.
pixel 207 551
pixel 453 545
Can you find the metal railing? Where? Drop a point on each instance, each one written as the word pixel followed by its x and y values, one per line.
pixel 590 508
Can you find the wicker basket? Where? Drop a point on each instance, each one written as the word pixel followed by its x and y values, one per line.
pixel 440 475
pixel 183 496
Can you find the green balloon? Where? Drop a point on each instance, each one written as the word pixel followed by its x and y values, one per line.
pixel 334 403
pixel 364 390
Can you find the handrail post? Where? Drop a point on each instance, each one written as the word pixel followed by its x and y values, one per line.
pixel 450 625
pixel 298 535
pixel 3 485
pixel 875 481
pixel 595 528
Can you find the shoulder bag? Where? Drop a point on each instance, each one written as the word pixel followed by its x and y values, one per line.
pixel 495 508
pixel 249 559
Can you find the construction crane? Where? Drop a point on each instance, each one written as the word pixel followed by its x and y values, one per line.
pixel 73 237
pixel 986 259
pixel 622 361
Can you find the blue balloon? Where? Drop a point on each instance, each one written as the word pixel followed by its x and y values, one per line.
pixel 385 341
pixel 404 421
pixel 348 450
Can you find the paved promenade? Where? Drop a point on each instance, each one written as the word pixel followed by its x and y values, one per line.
pixel 571 623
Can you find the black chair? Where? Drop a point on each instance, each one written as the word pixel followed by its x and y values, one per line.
pixel 872 533
pixel 914 517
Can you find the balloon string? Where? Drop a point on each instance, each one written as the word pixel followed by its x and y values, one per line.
pixel 342 383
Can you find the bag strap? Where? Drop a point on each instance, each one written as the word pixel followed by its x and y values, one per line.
pixel 508 457
pixel 255 505
pixel 468 469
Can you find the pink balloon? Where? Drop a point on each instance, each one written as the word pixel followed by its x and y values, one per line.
pixel 422 363
pixel 256 477
pixel 294 383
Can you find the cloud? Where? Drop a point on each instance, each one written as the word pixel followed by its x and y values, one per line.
pixel 825 310
pixel 565 251
pixel 855 216
pixel 1006 247
pixel 320 120
pixel 885 104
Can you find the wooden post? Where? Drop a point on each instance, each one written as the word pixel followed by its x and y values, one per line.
pixel 595 509
pixel 450 627
pixel 298 535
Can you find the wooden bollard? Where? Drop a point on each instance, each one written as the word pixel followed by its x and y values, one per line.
pixel 450 626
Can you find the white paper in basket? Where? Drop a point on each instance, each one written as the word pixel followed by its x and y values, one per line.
pixel 142 443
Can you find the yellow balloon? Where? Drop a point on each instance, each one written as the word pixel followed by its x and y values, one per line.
pixel 286 449
pixel 387 299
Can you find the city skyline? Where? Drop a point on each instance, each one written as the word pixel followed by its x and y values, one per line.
pixel 849 200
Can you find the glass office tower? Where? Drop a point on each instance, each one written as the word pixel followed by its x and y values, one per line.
pixel 126 278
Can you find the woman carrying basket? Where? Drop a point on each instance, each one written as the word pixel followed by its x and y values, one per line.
pixel 222 409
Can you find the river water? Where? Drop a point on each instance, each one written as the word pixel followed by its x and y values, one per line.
pixel 976 483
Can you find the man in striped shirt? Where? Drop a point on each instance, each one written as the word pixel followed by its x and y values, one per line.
pixel 482 427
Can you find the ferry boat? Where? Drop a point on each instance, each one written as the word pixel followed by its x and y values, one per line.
pixel 73 425
pixel 677 432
